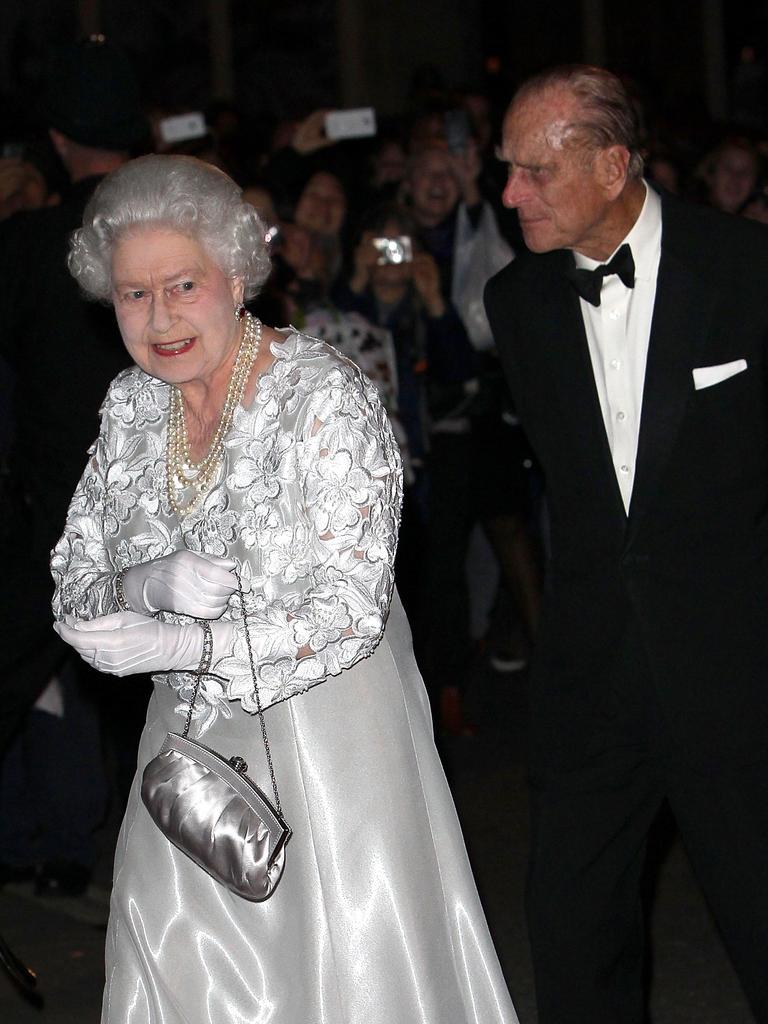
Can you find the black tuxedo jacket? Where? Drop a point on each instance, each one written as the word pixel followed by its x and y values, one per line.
pixel 678 588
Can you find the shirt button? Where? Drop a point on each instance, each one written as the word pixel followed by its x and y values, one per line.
pixel 615 364
pixel 621 416
pixel 624 469
pixel 614 314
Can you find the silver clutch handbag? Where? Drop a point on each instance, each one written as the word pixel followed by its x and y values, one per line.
pixel 209 809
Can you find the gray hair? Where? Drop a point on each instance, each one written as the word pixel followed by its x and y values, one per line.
pixel 176 192
pixel 609 115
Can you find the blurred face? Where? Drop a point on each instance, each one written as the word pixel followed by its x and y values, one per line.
pixel 560 194
pixel 434 187
pixel 174 306
pixel 733 179
pixel 322 205
pixel 389 164
pixel 665 173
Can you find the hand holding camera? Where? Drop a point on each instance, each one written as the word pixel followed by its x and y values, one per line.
pixel 426 280
pixel 365 258
pixel 310 134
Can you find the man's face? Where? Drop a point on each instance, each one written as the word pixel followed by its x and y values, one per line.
pixel 434 186
pixel 556 189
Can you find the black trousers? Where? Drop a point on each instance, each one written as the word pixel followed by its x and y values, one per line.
pixel 590 824
pixel 30 651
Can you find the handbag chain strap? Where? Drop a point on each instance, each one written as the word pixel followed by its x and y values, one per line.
pixel 204 670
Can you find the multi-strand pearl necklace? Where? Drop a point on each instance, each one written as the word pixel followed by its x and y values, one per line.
pixel 181 472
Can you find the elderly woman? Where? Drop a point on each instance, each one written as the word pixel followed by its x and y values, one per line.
pixel 235 450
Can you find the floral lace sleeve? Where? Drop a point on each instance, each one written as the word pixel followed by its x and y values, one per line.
pixel 80 563
pixel 114 517
pixel 339 547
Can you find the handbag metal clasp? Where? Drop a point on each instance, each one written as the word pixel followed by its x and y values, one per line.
pixel 238 764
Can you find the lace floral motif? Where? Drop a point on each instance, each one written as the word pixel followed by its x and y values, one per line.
pixel 307 503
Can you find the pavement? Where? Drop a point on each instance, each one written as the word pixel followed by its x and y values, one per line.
pixel 691 977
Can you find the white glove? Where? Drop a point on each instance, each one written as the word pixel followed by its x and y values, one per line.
pixel 125 643
pixel 184 582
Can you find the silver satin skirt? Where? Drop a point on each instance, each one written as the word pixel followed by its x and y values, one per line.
pixel 376 919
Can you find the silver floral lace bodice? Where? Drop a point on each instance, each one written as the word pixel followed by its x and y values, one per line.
pixel 307 502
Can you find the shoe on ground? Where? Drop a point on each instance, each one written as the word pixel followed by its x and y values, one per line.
pixel 507 662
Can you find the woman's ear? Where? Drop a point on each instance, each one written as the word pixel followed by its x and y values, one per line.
pixel 237 285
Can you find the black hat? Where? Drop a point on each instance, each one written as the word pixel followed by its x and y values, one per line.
pixel 93 97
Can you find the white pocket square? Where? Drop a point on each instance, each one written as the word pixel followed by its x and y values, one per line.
pixel 706 376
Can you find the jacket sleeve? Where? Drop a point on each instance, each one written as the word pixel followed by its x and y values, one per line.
pixel 346 530
pixel 81 565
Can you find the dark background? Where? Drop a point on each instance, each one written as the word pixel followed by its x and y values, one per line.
pixel 282 58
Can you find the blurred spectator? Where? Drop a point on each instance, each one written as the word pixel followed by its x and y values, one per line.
pixel 45 325
pixel 388 166
pixel 461 232
pixel 661 168
pixel 322 208
pixel 322 205
pixel 434 360
pixel 731 173
pixel 22 187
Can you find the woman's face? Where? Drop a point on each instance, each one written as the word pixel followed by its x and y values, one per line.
pixel 322 206
pixel 733 178
pixel 174 306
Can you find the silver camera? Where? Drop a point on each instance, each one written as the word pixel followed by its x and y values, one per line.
pixel 394 250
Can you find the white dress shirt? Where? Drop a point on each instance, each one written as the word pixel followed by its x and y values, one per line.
pixel 618 331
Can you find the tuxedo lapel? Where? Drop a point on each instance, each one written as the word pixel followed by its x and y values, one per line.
pixel 567 346
pixel 681 315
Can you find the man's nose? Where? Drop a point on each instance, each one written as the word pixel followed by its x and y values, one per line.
pixel 162 315
pixel 514 191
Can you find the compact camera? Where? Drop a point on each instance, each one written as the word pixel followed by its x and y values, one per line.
pixel 394 250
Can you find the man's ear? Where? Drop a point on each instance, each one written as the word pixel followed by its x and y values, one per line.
pixel 612 164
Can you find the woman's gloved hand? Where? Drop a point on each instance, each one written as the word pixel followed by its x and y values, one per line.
pixel 126 643
pixel 185 582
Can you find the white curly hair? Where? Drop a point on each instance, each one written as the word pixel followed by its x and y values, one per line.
pixel 177 192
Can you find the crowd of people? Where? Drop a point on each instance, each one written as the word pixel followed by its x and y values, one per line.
pixel 381 246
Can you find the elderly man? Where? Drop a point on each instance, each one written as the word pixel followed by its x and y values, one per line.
pixel 634 338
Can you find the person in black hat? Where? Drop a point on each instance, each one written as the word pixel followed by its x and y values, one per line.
pixel 62 352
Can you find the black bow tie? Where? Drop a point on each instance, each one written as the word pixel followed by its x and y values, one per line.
pixel 588 283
